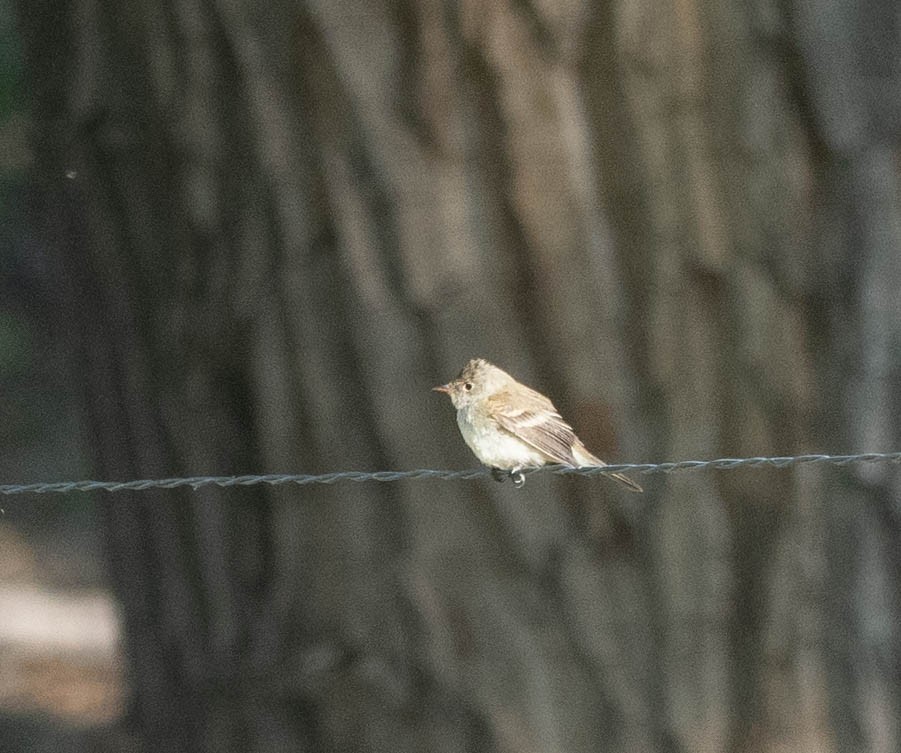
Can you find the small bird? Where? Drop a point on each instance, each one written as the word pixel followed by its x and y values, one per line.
pixel 510 427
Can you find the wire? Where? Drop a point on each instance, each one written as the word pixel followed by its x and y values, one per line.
pixel 278 479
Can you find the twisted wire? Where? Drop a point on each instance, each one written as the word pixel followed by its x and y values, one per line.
pixel 278 479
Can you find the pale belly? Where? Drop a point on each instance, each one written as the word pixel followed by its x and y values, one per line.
pixel 497 448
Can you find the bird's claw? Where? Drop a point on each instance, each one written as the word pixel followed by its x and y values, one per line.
pixel 515 475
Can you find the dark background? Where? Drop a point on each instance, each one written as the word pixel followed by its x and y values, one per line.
pixel 248 238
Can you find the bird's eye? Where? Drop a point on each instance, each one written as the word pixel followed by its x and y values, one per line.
pixel 467 386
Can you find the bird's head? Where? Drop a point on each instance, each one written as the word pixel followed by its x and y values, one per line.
pixel 478 380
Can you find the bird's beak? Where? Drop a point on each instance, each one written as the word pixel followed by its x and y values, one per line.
pixel 445 388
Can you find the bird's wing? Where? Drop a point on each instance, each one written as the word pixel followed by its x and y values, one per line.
pixel 531 417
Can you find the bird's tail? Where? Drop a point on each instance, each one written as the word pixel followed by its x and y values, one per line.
pixel 627 482
pixel 586 459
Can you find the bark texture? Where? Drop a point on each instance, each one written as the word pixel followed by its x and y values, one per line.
pixel 288 220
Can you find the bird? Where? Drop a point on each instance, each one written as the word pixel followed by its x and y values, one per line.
pixel 510 427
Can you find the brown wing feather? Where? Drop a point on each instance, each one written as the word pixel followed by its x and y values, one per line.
pixel 533 418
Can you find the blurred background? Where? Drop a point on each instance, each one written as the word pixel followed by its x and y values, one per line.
pixel 248 238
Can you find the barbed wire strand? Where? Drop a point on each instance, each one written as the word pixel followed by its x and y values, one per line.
pixel 278 479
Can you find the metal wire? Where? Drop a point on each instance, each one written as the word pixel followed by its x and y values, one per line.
pixel 278 479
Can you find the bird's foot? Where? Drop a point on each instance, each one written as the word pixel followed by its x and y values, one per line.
pixel 514 474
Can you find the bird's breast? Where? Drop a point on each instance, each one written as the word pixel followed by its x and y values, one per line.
pixel 494 446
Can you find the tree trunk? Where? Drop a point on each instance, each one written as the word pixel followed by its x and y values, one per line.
pixel 681 220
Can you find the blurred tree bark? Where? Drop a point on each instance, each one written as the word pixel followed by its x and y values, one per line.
pixel 283 223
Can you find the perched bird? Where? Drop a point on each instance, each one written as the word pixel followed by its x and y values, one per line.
pixel 510 426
